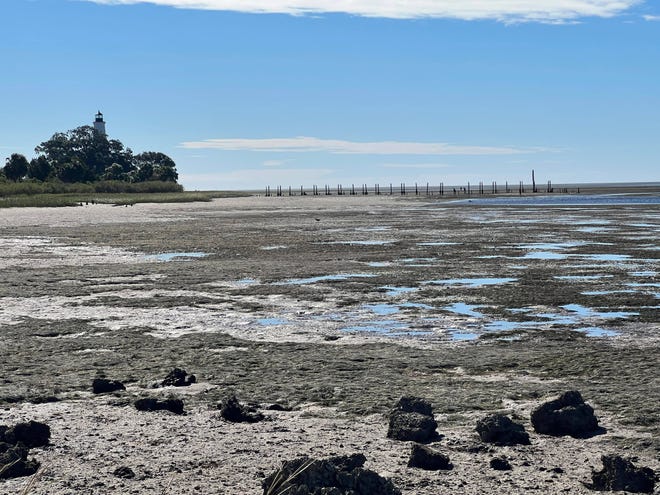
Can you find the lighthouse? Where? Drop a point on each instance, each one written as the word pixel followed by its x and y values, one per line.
pixel 99 123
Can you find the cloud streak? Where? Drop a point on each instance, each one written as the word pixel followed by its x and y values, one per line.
pixel 500 10
pixel 304 144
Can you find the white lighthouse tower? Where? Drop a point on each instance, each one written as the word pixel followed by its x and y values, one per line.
pixel 99 123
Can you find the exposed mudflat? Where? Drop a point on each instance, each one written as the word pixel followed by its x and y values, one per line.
pixel 336 306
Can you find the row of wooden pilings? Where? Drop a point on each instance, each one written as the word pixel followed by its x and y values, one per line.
pixel 404 189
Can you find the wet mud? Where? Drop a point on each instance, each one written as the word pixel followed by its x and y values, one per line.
pixel 336 307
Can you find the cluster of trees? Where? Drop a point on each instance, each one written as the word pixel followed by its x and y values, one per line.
pixel 86 155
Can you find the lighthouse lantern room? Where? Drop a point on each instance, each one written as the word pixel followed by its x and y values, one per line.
pixel 99 123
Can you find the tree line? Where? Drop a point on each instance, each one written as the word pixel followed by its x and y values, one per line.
pixel 85 155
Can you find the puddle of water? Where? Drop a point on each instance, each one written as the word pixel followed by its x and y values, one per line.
pixel 379 264
pixel 464 336
pixel 518 267
pixel 397 291
pixel 505 325
pixel 597 332
pixel 544 255
pixel 273 248
pixel 549 246
pixel 382 309
pixel 585 312
pixel 177 256
pixel 363 243
pixel 649 273
pixel 438 243
pixel 410 261
pixel 582 277
pixel 473 282
pixel 267 322
pixel 594 230
pixel 465 309
pixel 606 292
pixel 644 225
pixel 638 284
pixel 324 278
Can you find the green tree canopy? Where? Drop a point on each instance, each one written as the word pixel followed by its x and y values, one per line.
pixel 153 165
pixel 16 167
pixel 40 168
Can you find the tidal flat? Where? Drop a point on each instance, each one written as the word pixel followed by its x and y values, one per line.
pixel 333 307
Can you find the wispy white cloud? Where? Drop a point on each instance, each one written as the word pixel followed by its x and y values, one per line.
pixel 652 17
pixel 304 144
pixel 501 10
pixel 274 163
pixel 429 166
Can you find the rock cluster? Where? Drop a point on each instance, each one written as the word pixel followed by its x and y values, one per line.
pixel 104 386
pixel 150 404
pixel 412 420
pixel 15 444
pixel 566 415
pixel 232 410
pixel 341 475
pixel 178 378
pixel 500 464
pixel 423 457
pixel 621 474
pixel 501 430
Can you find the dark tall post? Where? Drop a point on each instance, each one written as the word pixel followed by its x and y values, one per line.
pixel 533 182
pixel 390 189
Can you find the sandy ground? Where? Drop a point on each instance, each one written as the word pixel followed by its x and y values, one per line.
pixel 336 306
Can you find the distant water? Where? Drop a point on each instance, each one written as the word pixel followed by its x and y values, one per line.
pixel 566 200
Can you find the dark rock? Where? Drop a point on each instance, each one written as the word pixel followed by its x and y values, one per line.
pixel 415 405
pixel 178 378
pixel 342 475
pixel 425 458
pixel 104 386
pixel 500 464
pixel 567 415
pixel 501 430
pixel 172 405
pixel 14 462
pixel 232 410
pixel 278 407
pixel 412 419
pixel 30 434
pixel 124 472
pixel 621 474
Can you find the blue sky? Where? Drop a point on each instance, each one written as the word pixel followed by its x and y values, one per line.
pixel 244 94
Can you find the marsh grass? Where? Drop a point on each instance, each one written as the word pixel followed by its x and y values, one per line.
pixel 281 485
pixel 44 200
